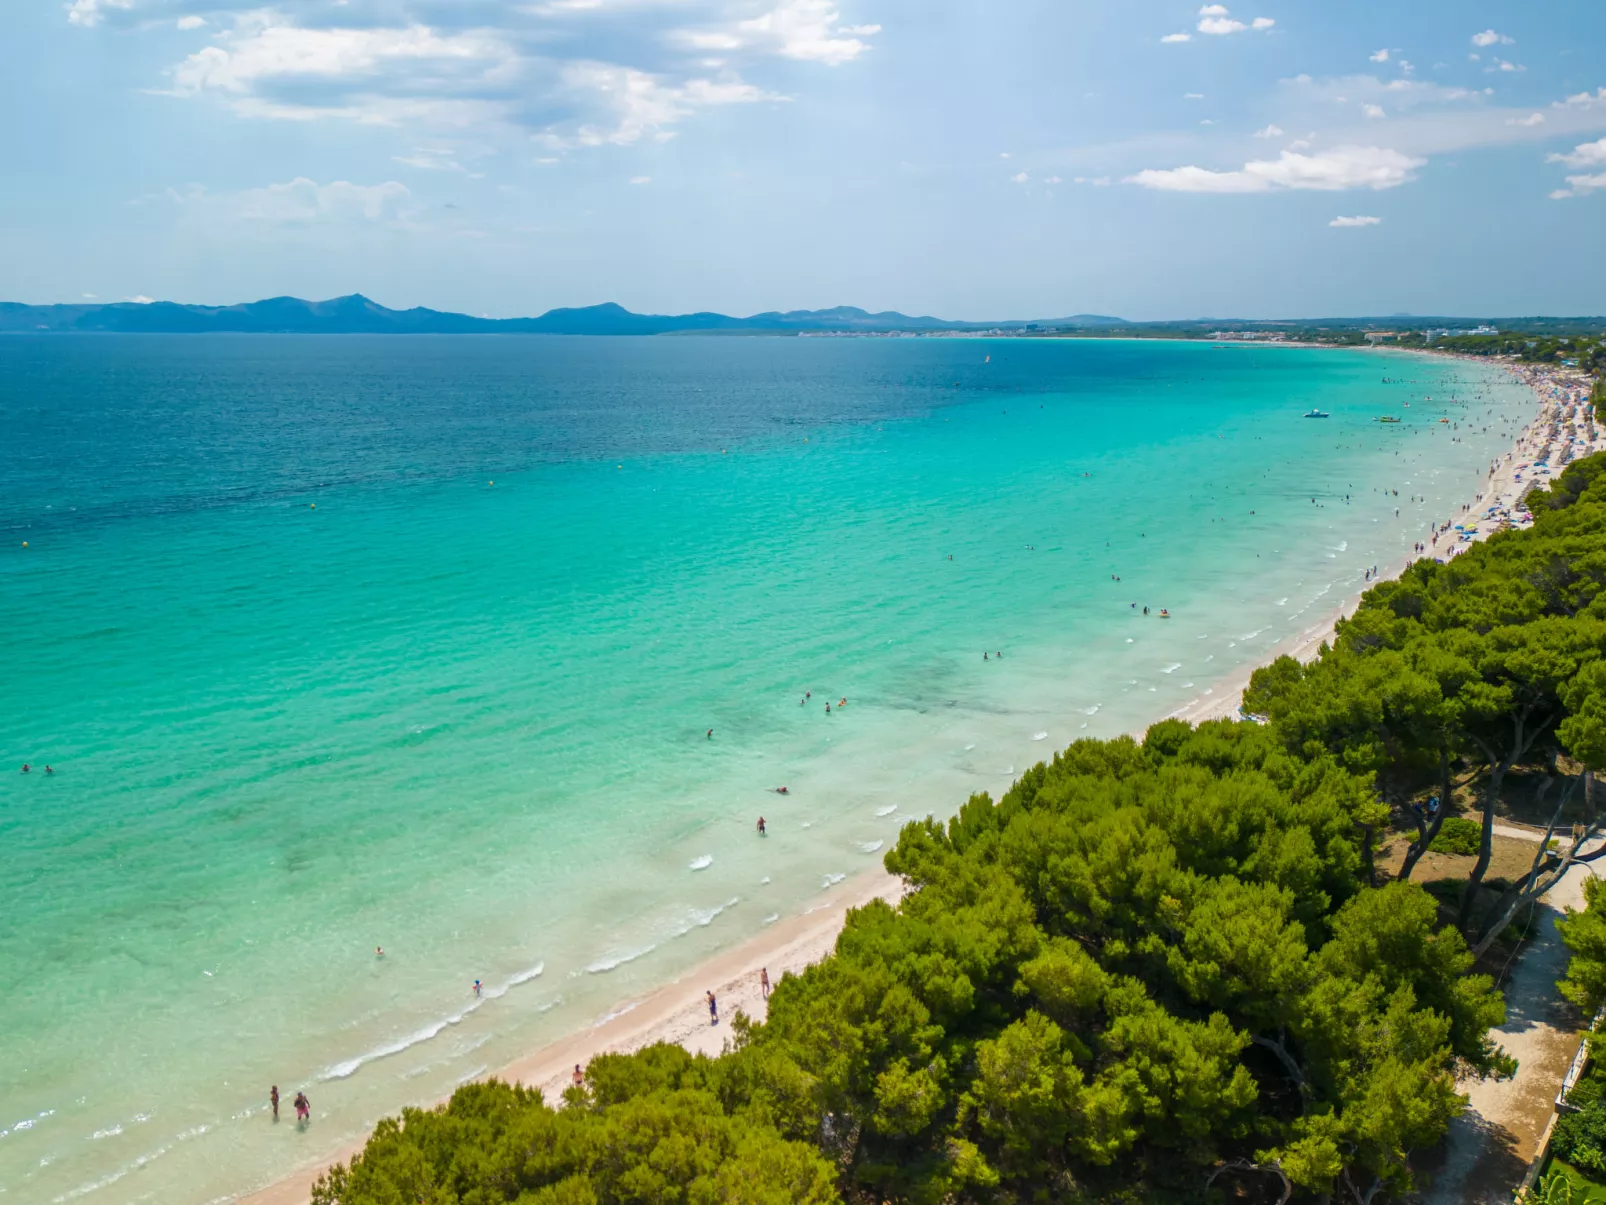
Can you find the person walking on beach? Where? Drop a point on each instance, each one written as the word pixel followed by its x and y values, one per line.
pixel 579 1076
pixel 713 1009
pixel 273 1100
pixel 761 831
pixel 476 987
pixel 764 981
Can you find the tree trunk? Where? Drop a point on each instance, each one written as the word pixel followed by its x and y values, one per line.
pixel 1426 830
pixel 1274 1168
pixel 1469 893
pixel 1277 1048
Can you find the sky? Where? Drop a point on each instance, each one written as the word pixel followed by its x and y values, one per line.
pixel 977 160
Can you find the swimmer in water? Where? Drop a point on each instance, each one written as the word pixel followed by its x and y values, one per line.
pixel 761 831
pixel 843 703
pixel 827 709
pixel 476 987
pixel 379 951
pixel 710 734
pixel 273 1100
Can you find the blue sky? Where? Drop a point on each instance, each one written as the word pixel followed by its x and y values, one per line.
pixel 977 160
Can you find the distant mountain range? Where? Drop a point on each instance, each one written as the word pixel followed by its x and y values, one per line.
pixel 356 314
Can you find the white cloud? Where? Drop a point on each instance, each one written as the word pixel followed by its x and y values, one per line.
pixel 641 179
pixel 504 69
pixel 807 29
pixel 1578 185
pixel 1357 220
pixel 640 104
pixel 141 299
pixel 1373 110
pixel 1193 96
pixel 795 29
pixel 1214 19
pixel 304 202
pixel 1269 132
pixel 1344 167
pixel 279 53
pixel 1052 180
pixel 1590 154
pixel 1533 119
pixel 1504 65
pixel 1019 178
pixel 436 159
pixel 90 296
pixel 89 13
pixel 1382 56
pixel 1582 100
pixel 1490 38
pixel 1177 37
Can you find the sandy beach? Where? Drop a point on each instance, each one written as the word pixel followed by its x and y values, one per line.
pixel 1561 431
pixel 676 1012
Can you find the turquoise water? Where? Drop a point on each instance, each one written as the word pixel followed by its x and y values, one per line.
pixel 312 683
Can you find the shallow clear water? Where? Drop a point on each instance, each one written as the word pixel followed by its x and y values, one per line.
pixel 311 683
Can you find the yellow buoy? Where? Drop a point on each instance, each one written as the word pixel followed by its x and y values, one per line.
pixel 25 543
pixel 312 506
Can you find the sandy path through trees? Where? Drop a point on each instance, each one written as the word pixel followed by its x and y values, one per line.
pixel 1489 1148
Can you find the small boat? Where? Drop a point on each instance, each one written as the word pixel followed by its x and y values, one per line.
pixel 1314 413
pixel 1388 418
pixel 1164 614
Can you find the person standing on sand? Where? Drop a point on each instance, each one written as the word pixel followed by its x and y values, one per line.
pixel 764 981
pixel 273 1099
pixel 579 1076
pixel 713 1009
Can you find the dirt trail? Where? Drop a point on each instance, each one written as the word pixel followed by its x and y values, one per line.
pixel 1489 1148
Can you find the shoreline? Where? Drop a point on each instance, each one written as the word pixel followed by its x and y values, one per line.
pixel 675 1012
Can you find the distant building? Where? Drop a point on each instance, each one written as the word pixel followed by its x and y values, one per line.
pixel 1251 336
pixel 1446 333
